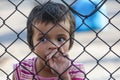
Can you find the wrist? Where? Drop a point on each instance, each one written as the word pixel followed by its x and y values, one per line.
pixel 66 77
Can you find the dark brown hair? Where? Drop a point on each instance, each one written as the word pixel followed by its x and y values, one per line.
pixel 49 12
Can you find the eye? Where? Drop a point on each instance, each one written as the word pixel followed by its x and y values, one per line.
pixel 61 39
pixel 43 39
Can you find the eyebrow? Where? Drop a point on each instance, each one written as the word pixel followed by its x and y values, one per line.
pixel 42 34
pixel 62 35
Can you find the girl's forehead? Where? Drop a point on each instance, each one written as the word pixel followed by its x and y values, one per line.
pixel 63 26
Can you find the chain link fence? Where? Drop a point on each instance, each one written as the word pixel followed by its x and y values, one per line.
pixel 98 50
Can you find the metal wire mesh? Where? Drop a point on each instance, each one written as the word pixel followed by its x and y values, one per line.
pixel 98 49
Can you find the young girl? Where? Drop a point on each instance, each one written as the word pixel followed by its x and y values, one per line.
pixel 50 33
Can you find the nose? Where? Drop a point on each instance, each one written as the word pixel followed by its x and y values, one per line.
pixel 53 45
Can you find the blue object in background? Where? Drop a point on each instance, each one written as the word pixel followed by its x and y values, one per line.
pixel 95 21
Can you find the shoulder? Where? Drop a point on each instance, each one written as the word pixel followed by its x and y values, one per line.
pixel 24 68
pixel 77 70
pixel 25 63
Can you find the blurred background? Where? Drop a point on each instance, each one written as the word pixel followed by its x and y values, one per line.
pixel 97 39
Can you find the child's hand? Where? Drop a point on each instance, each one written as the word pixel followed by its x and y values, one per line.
pixel 59 63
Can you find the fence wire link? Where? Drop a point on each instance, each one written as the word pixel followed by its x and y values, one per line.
pixel 104 65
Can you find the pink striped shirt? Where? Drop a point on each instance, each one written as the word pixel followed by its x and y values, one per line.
pixel 26 70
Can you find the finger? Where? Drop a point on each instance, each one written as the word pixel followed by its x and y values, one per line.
pixel 51 54
pixel 52 66
pixel 61 59
pixel 61 50
pixel 51 62
pixel 55 54
pixel 63 53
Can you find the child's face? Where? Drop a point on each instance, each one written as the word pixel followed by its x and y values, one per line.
pixel 55 37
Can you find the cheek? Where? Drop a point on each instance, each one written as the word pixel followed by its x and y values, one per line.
pixel 66 46
pixel 39 49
